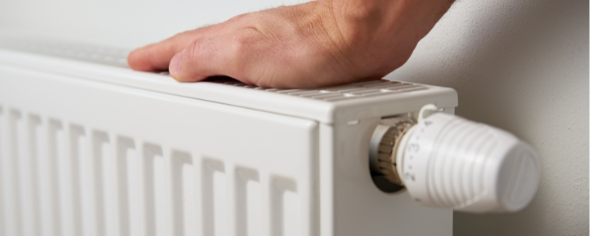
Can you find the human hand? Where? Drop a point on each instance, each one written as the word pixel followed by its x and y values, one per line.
pixel 315 44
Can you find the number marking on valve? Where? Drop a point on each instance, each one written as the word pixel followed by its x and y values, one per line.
pixel 409 176
pixel 413 147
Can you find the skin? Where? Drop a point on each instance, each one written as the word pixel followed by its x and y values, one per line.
pixel 310 45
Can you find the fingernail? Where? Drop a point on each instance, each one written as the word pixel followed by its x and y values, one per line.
pixel 175 63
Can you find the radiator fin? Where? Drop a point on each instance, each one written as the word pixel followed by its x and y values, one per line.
pixel 71 178
pixel 153 187
pixel 29 183
pixel 248 202
pixel 99 181
pixel 125 149
pixel 54 209
pixel 285 206
pixel 183 200
pixel 214 198
pixel 11 166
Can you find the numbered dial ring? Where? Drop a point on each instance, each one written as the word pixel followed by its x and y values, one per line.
pixel 414 163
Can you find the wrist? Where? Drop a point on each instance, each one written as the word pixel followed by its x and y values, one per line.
pixel 372 16
pixel 364 21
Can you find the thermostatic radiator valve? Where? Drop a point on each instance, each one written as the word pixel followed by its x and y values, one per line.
pixel 446 161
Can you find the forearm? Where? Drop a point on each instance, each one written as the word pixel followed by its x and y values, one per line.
pixel 371 15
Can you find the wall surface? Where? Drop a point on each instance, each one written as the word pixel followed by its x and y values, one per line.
pixel 521 65
pixel 120 23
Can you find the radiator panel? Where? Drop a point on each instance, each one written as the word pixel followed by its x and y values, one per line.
pixel 86 158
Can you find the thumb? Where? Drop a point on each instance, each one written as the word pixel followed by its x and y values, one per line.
pixel 205 57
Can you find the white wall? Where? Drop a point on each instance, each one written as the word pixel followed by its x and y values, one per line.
pixel 521 65
pixel 120 23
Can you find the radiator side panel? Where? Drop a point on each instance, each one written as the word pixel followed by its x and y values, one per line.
pixel 358 206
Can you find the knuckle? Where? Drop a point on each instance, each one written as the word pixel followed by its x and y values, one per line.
pixel 239 17
pixel 195 50
pixel 240 45
pixel 188 68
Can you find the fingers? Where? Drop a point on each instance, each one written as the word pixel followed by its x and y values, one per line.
pixel 156 57
pixel 213 56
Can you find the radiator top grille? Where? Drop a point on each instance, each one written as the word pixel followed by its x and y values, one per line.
pixel 338 93
pixel 83 52
pixel 118 58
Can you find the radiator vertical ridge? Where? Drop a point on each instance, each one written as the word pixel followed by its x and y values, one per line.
pixel 72 162
pixel 277 203
pixel 123 144
pixel 240 203
pixel 14 200
pixel 24 172
pixel 207 198
pixel 43 193
pixel 86 170
pixel 149 153
pixel 98 141
pixel 247 222
pixel 214 203
pixel 233 199
pixel 267 206
pixel 161 189
pixel 200 203
pixel 55 208
pixel 183 211
pixel 133 173
pixel 285 215
pixel 168 195
pixel 33 125
pixel 176 168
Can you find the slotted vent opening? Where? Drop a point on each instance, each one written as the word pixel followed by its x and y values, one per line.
pixel 337 93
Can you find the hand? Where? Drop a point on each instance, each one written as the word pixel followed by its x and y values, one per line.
pixel 315 44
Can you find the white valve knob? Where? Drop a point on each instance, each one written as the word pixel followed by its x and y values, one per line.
pixel 450 162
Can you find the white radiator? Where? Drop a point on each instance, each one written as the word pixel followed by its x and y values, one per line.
pixel 90 147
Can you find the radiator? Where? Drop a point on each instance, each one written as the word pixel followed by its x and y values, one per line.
pixel 90 147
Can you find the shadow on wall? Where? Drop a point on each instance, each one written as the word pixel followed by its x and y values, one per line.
pixel 522 66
